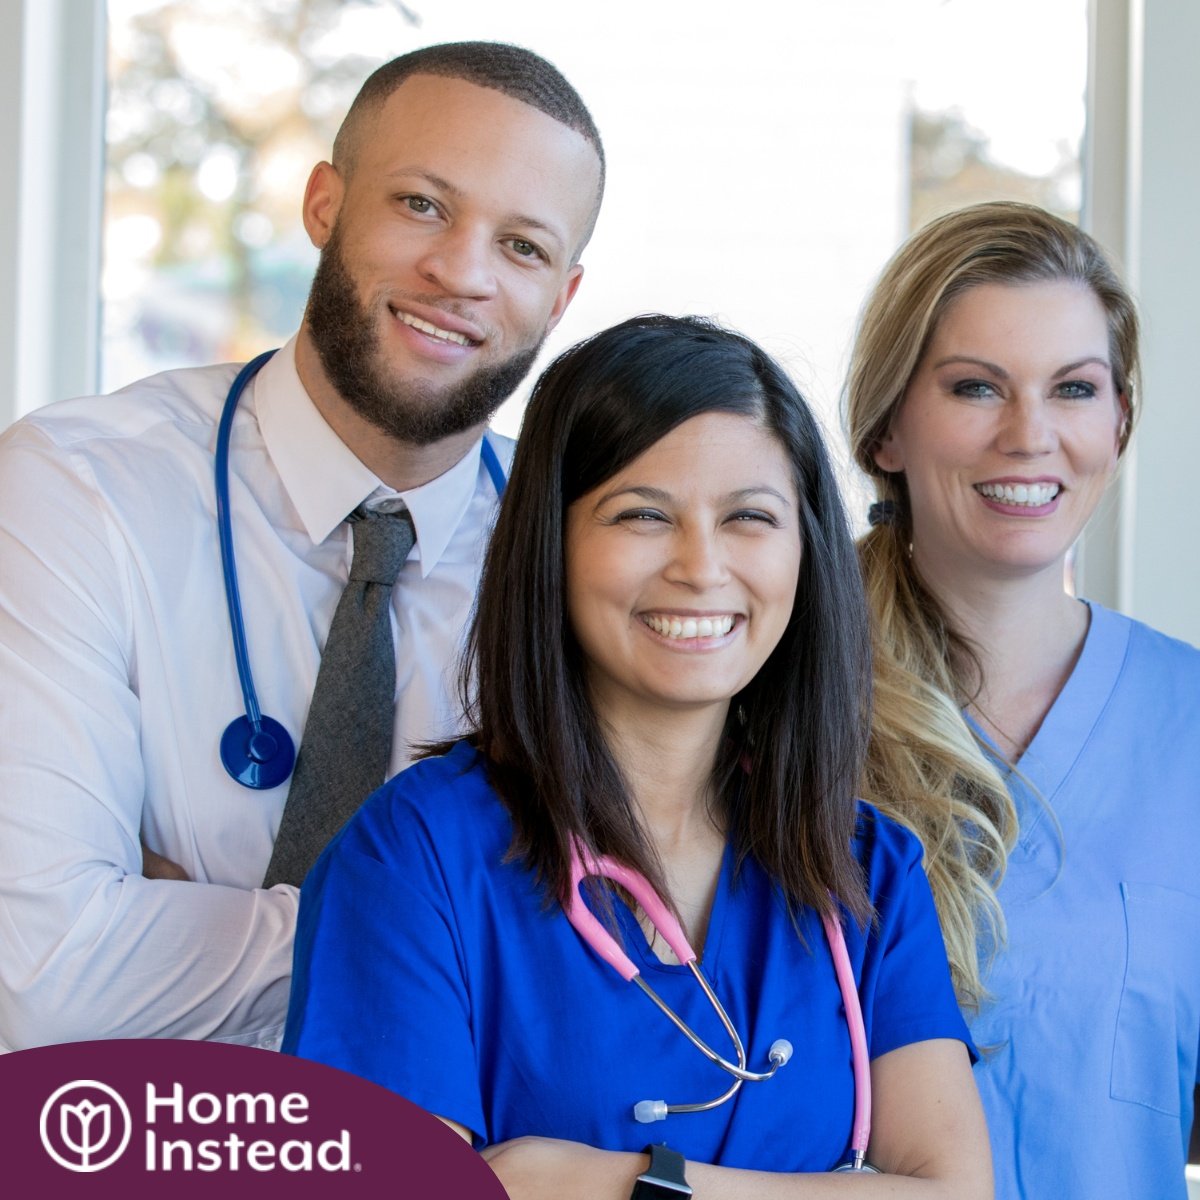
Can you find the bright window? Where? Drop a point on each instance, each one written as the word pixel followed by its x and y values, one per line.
pixel 765 159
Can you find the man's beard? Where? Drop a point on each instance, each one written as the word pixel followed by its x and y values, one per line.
pixel 409 410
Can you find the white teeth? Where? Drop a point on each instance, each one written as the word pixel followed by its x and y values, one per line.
pixel 690 627
pixel 443 335
pixel 1028 495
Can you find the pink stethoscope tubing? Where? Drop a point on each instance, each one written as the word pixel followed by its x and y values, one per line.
pixel 584 864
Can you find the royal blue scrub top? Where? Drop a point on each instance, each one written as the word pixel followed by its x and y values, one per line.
pixel 428 963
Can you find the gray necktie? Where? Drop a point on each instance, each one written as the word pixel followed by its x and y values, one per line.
pixel 347 741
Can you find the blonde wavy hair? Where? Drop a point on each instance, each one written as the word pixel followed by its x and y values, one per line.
pixel 925 767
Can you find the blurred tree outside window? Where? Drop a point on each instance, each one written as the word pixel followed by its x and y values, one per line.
pixel 764 160
pixel 951 166
pixel 216 113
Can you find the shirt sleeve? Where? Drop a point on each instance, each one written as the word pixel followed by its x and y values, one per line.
pixel 89 948
pixel 380 987
pixel 906 988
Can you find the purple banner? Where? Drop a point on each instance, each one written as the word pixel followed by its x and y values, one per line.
pixel 191 1119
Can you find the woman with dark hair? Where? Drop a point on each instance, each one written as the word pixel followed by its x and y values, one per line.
pixel 671 665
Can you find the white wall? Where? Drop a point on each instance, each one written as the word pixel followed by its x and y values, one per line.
pixel 1142 554
pixel 1163 582
pixel 51 197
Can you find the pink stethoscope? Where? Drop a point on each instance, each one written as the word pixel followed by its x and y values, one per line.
pixel 584 864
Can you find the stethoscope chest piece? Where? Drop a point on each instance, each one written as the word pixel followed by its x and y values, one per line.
pixel 858 1165
pixel 258 758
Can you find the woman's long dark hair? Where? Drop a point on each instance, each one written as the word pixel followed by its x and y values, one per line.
pixel 785 775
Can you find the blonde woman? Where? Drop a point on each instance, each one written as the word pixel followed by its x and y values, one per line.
pixel 991 394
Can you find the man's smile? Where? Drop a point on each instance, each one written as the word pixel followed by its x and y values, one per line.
pixel 434 331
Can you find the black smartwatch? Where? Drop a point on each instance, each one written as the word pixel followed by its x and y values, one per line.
pixel 663 1180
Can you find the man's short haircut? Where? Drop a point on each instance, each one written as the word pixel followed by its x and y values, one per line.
pixel 513 70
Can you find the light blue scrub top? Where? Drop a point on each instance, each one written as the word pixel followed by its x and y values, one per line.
pixel 1096 1019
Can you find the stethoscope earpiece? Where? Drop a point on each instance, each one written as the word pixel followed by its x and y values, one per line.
pixel 646 1112
pixel 257 758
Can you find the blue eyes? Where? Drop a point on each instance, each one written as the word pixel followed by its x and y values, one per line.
pixel 973 389
pixel 981 389
pixel 1077 389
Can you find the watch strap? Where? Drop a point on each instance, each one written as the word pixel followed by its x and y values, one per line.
pixel 664 1179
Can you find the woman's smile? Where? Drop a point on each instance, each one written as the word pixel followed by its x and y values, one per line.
pixel 698 632
pixel 1009 430
pixel 682 568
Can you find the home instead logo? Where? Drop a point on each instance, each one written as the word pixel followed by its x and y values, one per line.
pixel 114 1119
pixel 86 1126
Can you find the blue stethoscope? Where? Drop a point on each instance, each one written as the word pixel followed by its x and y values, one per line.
pixel 255 749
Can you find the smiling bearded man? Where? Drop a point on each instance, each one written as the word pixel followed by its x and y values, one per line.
pixel 146 891
pixel 407 409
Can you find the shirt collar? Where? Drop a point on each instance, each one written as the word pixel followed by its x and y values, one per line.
pixel 326 481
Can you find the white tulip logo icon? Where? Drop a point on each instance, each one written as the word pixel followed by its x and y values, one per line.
pixel 72 1117
pixel 85 1129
